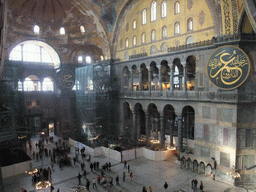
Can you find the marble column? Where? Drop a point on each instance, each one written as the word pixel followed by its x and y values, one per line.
pixel 162 125
pixel 180 136
pixel 147 129
pixel 171 131
pixel 134 124
pixel 184 76
pixel 160 78
pixel 149 82
pixel 140 80
pixel 171 79
pixel 132 82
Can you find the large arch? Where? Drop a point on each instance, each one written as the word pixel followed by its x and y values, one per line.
pixel 54 55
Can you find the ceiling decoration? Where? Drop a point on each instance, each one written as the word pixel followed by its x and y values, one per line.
pixel 108 11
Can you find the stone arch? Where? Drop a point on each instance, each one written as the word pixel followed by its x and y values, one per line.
pixel 183 162
pixel 201 168
pixel 141 121
pixel 191 72
pixel 127 118
pixel 169 116
pixel 144 77
pixel 177 74
pixel 208 169
pixel 189 165
pixel 154 76
pixel 195 166
pixel 165 70
pixel 136 80
pixel 126 78
pixel 154 121
pixel 188 121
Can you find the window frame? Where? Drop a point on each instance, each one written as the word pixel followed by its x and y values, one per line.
pixel 153 35
pixel 134 41
pixel 126 43
pixel 144 17
pixel 190 24
pixel 177 7
pixel 164 9
pixel 177 28
pixel 134 24
pixel 164 32
pixel 153 11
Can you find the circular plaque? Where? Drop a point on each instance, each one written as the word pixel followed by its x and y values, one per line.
pixel 228 67
pixel 65 79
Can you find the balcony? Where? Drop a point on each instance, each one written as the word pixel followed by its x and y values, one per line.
pixel 230 97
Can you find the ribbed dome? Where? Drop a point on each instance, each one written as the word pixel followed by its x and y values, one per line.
pixel 42 12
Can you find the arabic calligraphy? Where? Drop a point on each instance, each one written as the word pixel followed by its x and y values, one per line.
pixel 65 79
pixel 228 67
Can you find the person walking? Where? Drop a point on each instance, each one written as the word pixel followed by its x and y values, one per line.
pixel 88 184
pixel 150 189
pixel 165 186
pixel 131 176
pixel 117 180
pixel 124 176
pixel 94 183
pixel 201 187
pixel 79 179
pixel 51 188
pixel 144 189
pixel 125 163
pixel 58 190
pixel 111 181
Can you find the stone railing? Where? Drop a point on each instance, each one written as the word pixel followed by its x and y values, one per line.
pixel 192 95
pixel 214 40
pixel 138 55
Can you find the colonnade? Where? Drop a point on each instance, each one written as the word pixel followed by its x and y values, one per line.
pixel 176 72
pixel 159 122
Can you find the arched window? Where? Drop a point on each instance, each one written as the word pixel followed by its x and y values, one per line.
pixel 143 38
pixel 163 9
pixel 177 28
pixel 177 7
pixel 164 32
pixel 144 16
pixel 101 57
pixel 134 40
pixel 153 35
pixel 28 84
pixel 62 31
pixel 82 29
pixel 153 11
pixel 190 24
pixel 36 29
pixel 35 51
pixel 134 24
pixel 80 59
pixel 127 43
pixel 47 84
pixel 88 59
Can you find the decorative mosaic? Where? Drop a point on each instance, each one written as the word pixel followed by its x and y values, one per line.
pixel 227 23
pixel 190 4
pixel 235 17
pixel 201 18
pixel 108 11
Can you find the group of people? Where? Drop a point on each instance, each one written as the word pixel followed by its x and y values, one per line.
pixel 41 174
pixel 194 183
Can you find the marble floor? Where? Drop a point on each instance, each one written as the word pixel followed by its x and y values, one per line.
pixel 146 173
